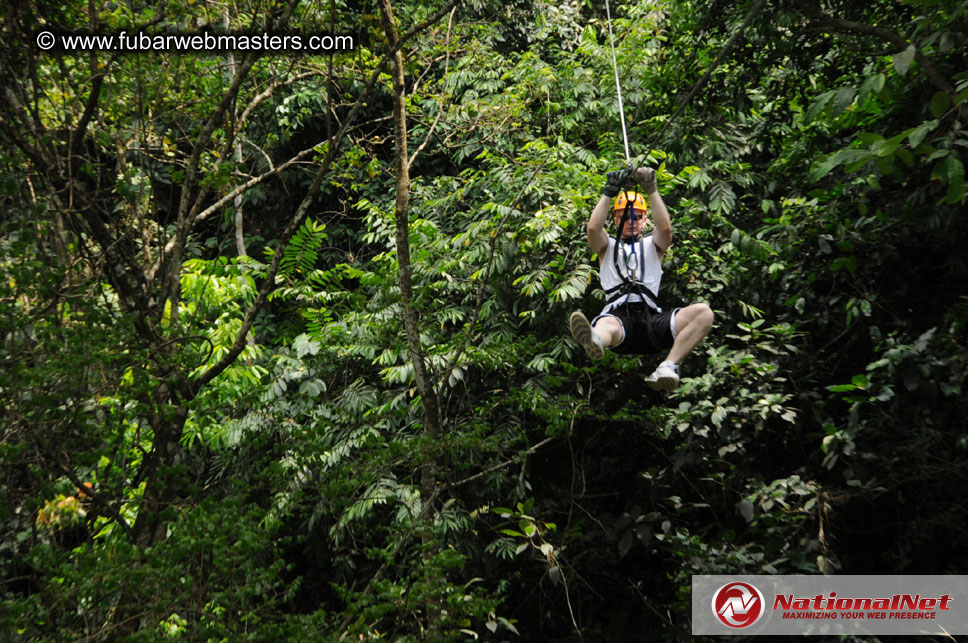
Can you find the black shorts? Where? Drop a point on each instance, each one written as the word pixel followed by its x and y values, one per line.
pixel 636 319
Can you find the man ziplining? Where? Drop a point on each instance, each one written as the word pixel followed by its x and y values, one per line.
pixel 630 269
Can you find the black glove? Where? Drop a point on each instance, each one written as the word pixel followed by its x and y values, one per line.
pixel 614 182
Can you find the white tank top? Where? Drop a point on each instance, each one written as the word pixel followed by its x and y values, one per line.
pixel 646 267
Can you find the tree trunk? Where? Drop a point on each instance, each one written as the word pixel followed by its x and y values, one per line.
pixel 425 388
pixel 230 68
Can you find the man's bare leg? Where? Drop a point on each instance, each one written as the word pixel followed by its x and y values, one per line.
pixel 606 333
pixel 692 325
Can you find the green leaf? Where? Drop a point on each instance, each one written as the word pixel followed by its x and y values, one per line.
pixel 721 197
pixel 745 509
pixel 940 103
pixel 718 416
pixel 304 345
pixel 873 84
pixel 956 180
pixel 843 99
pixel 842 388
pixel 841 157
pixel 951 170
pixel 920 132
pixel 902 61
pixel 850 263
pixel 887 146
pixel 818 105
pixel 961 96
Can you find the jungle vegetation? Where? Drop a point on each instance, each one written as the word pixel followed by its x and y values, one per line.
pixel 283 334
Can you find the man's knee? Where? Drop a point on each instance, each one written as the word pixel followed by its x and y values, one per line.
pixel 610 330
pixel 704 316
pixel 698 316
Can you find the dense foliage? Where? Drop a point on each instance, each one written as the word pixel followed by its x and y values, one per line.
pixel 235 409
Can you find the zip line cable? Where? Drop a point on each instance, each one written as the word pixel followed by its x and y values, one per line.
pixel 618 85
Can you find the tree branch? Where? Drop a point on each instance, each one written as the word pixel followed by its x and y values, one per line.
pixel 497 467
pixel 829 23
pixel 440 102
pixel 266 93
pixel 709 72
pixel 97 81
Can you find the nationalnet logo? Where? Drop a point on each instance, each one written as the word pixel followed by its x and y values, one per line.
pixel 832 606
pixel 815 604
pixel 738 604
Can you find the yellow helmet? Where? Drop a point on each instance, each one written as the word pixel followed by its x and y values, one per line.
pixel 639 202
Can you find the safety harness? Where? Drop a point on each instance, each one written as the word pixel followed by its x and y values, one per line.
pixel 632 283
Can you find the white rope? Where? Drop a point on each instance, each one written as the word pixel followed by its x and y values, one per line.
pixel 618 86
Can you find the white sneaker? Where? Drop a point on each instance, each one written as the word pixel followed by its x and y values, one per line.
pixel 585 335
pixel 665 377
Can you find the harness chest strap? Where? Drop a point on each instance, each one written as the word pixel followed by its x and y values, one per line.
pixel 629 284
pixel 630 287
